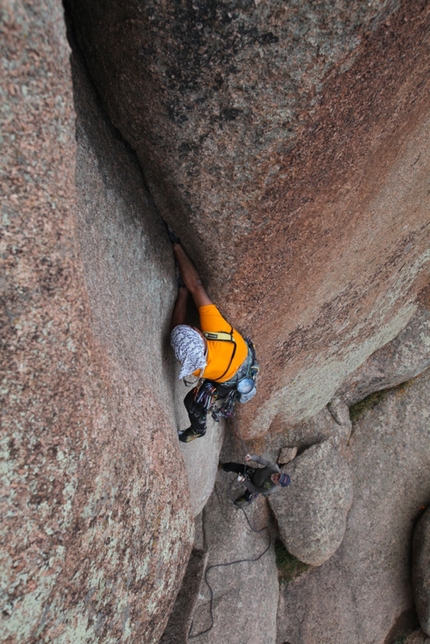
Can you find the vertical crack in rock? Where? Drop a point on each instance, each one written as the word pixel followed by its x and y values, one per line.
pixel 286 143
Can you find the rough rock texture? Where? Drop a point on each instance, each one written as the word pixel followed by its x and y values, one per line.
pixel 286 455
pixel 181 618
pixel 288 144
pixel 364 590
pixel 237 588
pixel 299 183
pixel 331 423
pixel 339 411
pixel 311 513
pixel 417 637
pixel 95 539
pixel 403 358
pixel 421 570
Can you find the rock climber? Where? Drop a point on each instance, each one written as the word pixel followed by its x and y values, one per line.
pixel 257 480
pixel 221 362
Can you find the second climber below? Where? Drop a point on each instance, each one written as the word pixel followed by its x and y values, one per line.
pixel 221 362
pixel 257 480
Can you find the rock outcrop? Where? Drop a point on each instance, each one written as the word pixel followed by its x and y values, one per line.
pixel 403 358
pixel 95 536
pixel 421 570
pixel 311 513
pixel 287 143
pixel 369 575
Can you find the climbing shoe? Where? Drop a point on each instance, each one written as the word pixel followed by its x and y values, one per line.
pixel 189 435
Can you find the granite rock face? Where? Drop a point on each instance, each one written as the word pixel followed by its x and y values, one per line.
pixel 403 358
pixel 311 513
pixel 417 637
pixel 181 618
pixel 95 539
pixel 364 590
pixel 243 590
pixel 421 570
pixel 332 423
pixel 288 145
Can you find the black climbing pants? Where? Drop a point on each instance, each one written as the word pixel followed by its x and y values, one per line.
pixel 196 412
pixel 240 468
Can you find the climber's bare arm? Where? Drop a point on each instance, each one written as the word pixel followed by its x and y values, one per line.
pixel 180 309
pixel 191 277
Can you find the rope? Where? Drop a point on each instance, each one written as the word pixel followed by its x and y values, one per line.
pixel 223 565
pixel 231 563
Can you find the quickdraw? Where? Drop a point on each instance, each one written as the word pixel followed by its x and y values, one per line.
pixel 207 395
pixel 226 409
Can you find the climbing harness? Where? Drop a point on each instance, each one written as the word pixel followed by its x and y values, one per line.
pixel 242 387
pixel 222 336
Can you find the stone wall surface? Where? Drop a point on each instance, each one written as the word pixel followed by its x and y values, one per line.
pixel 95 539
pixel 311 513
pixel 403 358
pixel 243 580
pixel 421 570
pixel 364 590
pixel 287 143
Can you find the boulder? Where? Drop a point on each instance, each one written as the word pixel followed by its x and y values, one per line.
pixel 403 358
pixel 243 577
pixel 96 537
pixel 311 513
pixel 359 594
pixel 417 637
pixel 281 142
pixel 341 433
pixel 421 570
pixel 286 455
